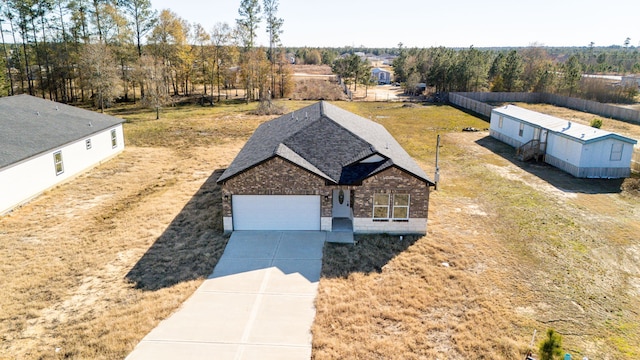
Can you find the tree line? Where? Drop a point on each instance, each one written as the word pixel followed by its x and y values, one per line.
pixel 100 50
pixel 532 68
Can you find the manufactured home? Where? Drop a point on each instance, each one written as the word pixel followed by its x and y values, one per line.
pixel 381 76
pixel 582 151
pixel 44 143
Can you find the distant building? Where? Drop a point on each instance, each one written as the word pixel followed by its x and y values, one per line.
pixel 381 76
pixel 44 143
pixel 631 80
pixel 582 151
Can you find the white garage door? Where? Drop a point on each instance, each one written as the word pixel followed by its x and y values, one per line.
pixel 276 212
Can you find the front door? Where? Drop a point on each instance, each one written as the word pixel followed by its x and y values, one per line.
pixel 536 134
pixel 543 140
pixel 341 204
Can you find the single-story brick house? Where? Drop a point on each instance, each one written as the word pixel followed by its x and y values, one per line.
pixel 321 164
pixel 44 143
pixel 582 151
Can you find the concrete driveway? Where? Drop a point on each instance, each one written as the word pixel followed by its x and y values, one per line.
pixel 257 304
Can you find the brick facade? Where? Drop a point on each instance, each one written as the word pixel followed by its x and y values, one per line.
pixel 392 181
pixel 277 176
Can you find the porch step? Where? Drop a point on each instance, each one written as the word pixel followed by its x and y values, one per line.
pixel 342 224
pixel 342 237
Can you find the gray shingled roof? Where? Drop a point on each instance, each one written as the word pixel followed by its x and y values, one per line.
pixel 325 140
pixel 30 126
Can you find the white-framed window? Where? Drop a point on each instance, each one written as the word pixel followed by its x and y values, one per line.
pixel 521 131
pixel 380 206
pixel 401 206
pixel 88 144
pixel 500 119
pixel 114 139
pixel 57 162
pixel 616 151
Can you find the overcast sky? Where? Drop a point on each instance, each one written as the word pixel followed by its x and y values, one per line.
pixel 420 23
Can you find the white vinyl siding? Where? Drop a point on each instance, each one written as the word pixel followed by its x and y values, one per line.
pixel 39 173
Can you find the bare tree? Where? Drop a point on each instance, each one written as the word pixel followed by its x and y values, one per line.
pixel 201 37
pixel 99 66
pixel 168 41
pixel 152 73
pixel 221 36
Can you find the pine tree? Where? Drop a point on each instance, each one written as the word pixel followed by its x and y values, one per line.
pixel 551 347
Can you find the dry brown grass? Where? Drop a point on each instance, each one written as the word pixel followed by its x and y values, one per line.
pixel 93 265
pixel 312 69
pixel 317 89
pixel 528 247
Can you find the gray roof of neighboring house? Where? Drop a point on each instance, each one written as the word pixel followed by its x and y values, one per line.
pixel 377 70
pixel 579 132
pixel 327 141
pixel 30 126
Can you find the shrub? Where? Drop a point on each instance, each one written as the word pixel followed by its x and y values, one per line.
pixel 551 346
pixel 596 123
pixel 267 107
pixel 631 185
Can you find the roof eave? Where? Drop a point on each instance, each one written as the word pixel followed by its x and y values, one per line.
pixel 222 180
pixel 419 177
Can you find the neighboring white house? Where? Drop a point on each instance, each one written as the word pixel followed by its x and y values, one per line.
pixel 582 151
pixel 43 143
pixel 381 76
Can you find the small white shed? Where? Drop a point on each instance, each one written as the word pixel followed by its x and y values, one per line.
pixel 580 150
pixel 44 143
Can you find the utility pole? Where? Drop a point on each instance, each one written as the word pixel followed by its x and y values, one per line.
pixel 436 178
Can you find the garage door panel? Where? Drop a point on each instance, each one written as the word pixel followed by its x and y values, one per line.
pixel 276 212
